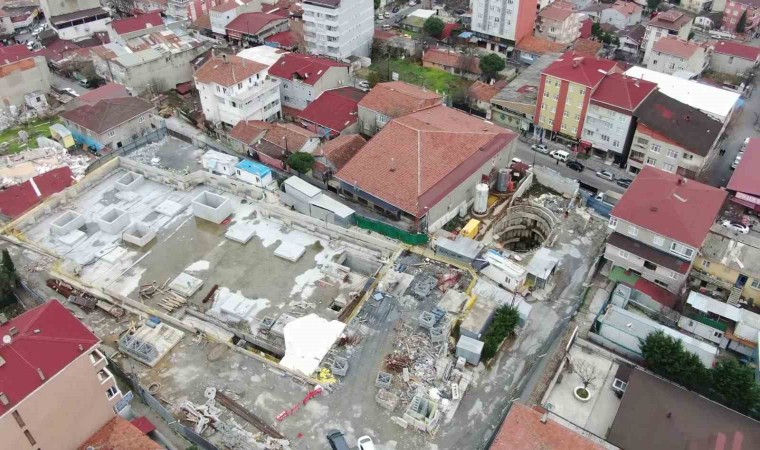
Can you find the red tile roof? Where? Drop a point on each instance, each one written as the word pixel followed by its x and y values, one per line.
pixel 13 53
pixel 670 20
pixel 746 177
pixel 453 59
pixel 586 27
pixel 586 47
pixel 49 338
pixel 108 114
pixel 397 98
pixel 142 22
pixel 539 46
pixel 227 70
pixel 484 92
pixel 340 150
pixel 307 69
pixel 449 28
pixel 670 205
pixel 247 131
pixel 656 292
pixel 120 434
pixel 676 47
pixel 622 92
pixel 417 159
pixel 523 430
pixel 18 199
pixel 290 134
pixel 105 92
pixel 332 110
pixel 285 39
pixel 580 69
pixel 252 23
pixel 558 11
pixel 738 49
pixel 627 8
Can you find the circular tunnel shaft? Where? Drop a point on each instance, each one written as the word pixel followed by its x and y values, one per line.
pixel 525 228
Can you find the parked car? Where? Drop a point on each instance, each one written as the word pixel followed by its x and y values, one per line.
pixel 396 9
pixel 411 3
pixel 560 155
pixel 737 160
pixel 337 440
pixel 737 227
pixel 575 165
pixel 605 175
pixel 387 15
pixel 70 91
pixel 624 182
pixel 540 148
pixel 365 443
pixel 363 84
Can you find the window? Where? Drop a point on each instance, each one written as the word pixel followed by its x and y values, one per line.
pixel 566 114
pixel 29 437
pixel 672 154
pixel 656 148
pixel 556 83
pixel 755 284
pixel 556 96
pixel 668 167
pixel 642 141
pixel 577 117
pixel 111 392
pixel 673 275
pixel 588 132
pixel 546 94
pixel 705 264
pixel 605 138
pixel 111 133
pixel 654 62
pixel 651 161
pixel 650 265
pixel 142 119
pixel 18 418
pixel 718 334
pixel 240 85
pixel 682 250
pixel 543 106
pixel 582 91
pixel 623 254
pixel 658 240
pixel 633 231
pixel 730 59
pixel 688 156
pixel 551 121
pixel 613 222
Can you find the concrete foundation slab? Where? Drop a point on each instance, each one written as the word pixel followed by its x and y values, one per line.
pixel 212 207
pixel 66 223
pixel 186 285
pixel 387 399
pixel 138 234
pixel 72 238
pixel 290 251
pixel 130 181
pixel 278 329
pixel 169 208
pixel 113 221
pixel 149 344
pixel 241 232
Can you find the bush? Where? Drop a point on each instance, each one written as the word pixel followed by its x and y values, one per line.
pixel 492 64
pixel 301 162
pixel 433 26
pixel 505 321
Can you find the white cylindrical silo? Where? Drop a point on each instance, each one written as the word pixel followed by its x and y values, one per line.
pixel 481 198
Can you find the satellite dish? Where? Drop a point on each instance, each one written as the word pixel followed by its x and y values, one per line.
pixel 7 339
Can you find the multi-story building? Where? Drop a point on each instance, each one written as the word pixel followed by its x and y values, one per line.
pixel 734 58
pixel 515 105
pixel 253 28
pixel 735 9
pixel 559 22
pixel 671 54
pixel 697 6
pixel 339 28
pixel 673 136
pixel 75 19
pixel 622 14
pixel 670 23
pixel 21 72
pixel 234 89
pixel 121 30
pixel 222 15
pixel 55 391
pixel 610 121
pixel 659 226
pixel 387 101
pixel 500 24
pixel 303 78
pixel 6 24
pixel 565 91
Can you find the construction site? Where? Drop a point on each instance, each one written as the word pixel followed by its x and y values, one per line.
pixel 253 326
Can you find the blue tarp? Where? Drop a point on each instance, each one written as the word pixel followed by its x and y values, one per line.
pixel 465 35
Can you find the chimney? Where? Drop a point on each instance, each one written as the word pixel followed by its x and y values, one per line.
pixel 653 209
pixel 680 181
pixel 687 117
pixel 224 58
pixel 3 399
pixel 393 164
pixel 545 417
pixel 3 319
pixel 42 375
pixel 13 331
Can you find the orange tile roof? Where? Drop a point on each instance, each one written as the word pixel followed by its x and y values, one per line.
pixel 586 47
pixel 295 136
pixel 558 11
pixel 539 46
pixel 484 91
pixel 676 47
pixel 523 430
pixel 627 8
pixel 452 59
pixel 119 434
pixel 246 131
pixel 341 149
pixel 397 98
pixel 227 73
pixel 417 159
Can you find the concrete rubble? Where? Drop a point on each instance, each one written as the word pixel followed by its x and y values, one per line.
pixel 20 167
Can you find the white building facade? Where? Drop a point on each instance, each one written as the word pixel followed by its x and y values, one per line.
pixel 339 28
pixel 606 129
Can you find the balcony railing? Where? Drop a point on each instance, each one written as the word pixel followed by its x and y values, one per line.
pixel 712 279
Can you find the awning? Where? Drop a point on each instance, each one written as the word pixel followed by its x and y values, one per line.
pixel 143 424
pixel 465 35
pixel 749 205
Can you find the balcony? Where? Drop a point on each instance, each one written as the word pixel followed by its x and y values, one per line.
pixel 712 279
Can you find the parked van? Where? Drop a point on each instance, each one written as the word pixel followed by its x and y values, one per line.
pixel 560 155
pixel 337 440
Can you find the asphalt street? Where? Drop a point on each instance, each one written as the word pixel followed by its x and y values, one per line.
pixel 59 81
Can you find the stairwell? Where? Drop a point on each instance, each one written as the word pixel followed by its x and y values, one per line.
pixel 733 298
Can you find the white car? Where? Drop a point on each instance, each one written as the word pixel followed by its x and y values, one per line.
pixel 70 91
pixel 363 84
pixel 540 148
pixel 365 443
pixel 736 226
pixel 605 175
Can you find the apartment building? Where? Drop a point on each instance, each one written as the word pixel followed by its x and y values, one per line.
pixel 75 19
pixel 21 72
pixel 735 9
pixel 670 55
pixel 559 22
pixel 734 58
pixel 339 28
pixel 304 78
pixel 659 226
pixel 565 92
pixel 622 14
pixel 610 121
pixel 673 23
pixel 222 15
pixel 673 137
pixel 234 89
pixel 499 24
pixel 55 391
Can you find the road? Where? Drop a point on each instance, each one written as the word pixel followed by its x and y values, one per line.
pixel 59 81
pixel 403 12
pixel 588 177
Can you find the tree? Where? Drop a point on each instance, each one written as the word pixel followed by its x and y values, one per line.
pixel 596 29
pixel 373 78
pixel 504 322
pixel 741 25
pixel 301 162
pixel 8 266
pixel 8 280
pixel 734 386
pixel 653 4
pixel 492 64
pixel 585 371
pixel 377 4
pixel 433 26
pixel 665 356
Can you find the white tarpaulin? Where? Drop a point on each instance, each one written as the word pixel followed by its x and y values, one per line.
pixel 307 341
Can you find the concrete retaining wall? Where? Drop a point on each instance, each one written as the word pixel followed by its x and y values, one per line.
pixel 556 181
pixel 66 223
pixel 212 207
pixel 113 221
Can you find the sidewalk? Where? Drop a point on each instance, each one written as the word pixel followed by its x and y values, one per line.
pixel 593 163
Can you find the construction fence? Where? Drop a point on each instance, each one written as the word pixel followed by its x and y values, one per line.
pixel 392 232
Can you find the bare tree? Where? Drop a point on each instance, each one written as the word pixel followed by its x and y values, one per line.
pixel 585 371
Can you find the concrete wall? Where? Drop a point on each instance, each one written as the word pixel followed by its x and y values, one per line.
pixel 23 77
pixel 670 64
pixel 124 133
pixel 156 74
pixel 648 237
pixel 69 408
pixel 53 8
pixel 553 180
pixel 667 278
pixel 730 64
pixel 212 207
pixel 669 158
pixel 296 94
pixel 355 22
pixel 730 276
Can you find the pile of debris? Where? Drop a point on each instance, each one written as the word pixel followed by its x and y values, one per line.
pixel 553 202
pixel 20 167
